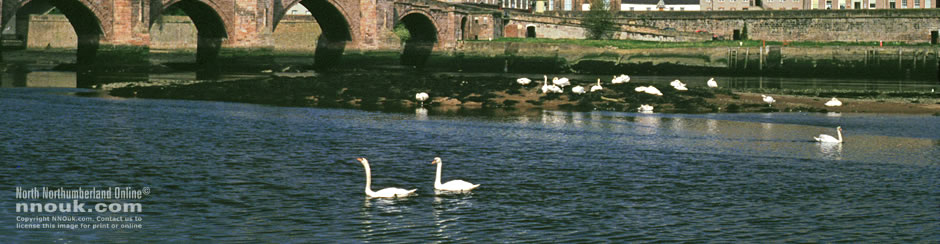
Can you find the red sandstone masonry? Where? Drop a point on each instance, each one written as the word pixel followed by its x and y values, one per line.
pixel 250 23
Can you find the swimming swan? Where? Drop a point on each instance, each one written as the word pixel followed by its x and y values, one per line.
pixel 829 139
pixel 390 192
pixel 454 185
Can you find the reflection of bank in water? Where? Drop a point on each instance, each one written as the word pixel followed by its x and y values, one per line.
pixel 60 79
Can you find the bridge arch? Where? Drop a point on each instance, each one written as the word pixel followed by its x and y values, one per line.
pixel 204 14
pixel 84 17
pixel 336 29
pixel 424 36
pixel 211 31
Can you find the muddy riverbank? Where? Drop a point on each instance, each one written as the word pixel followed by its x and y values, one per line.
pixel 394 91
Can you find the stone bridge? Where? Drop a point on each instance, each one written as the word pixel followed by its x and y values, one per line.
pixel 346 24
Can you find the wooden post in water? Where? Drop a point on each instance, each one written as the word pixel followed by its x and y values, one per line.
pixel 760 65
pixel 747 55
pixel 899 59
pixel 730 63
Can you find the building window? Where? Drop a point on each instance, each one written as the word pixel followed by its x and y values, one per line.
pixel 551 5
pixel 828 4
pixel 567 5
pixel 631 8
pixel 903 3
pixel 871 5
pixel 586 7
pixel 917 3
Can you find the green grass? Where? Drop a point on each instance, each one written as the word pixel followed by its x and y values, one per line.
pixel 633 44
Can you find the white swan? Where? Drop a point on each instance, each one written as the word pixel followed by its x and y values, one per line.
pixel 454 185
pixel 712 83
pixel 578 90
pixel 523 81
pixel 597 87
pixel 390 192
pixel 546 88
pixel 652 90
pixel 768 99
pixel 678 85
pixel 421 97
pixel 561 82
pixel 829 139
pixel 645 108
pixel 620 79
pixel 834 103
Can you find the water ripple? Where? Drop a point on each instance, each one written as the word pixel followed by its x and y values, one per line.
pixel 230 172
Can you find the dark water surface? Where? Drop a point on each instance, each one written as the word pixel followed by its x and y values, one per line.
pixel 230 172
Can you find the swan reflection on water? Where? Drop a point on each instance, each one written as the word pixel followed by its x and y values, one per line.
pixel 421 113
pixel 555 119
pixel 712 126
pixel 831 150
pixel 648 124
pixel 385 205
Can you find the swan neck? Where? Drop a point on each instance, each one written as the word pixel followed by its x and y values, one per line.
pixel 368 178
pixel 437 177
pixel 839 132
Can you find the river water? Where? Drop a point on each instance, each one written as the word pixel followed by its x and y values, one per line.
pixel 231 172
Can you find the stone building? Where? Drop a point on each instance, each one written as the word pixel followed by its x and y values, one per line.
pixel 500 4
pixel 729 5
pixel 659 5
pixel 869 4
pixel 781 4
pixel 721 5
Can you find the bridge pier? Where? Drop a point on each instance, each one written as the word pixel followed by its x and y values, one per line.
pixel 207 57
pixel 328 53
